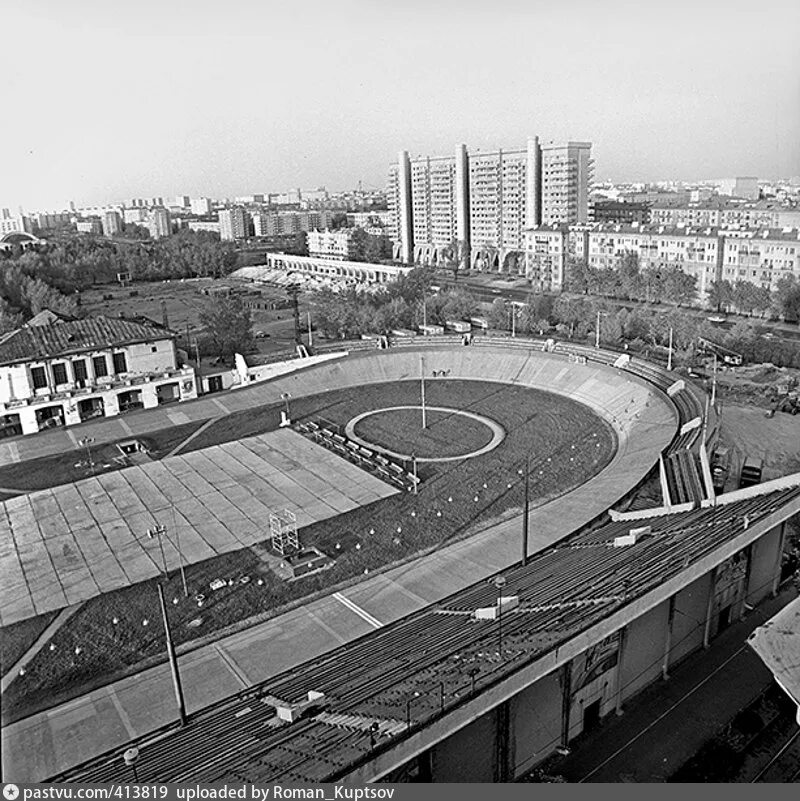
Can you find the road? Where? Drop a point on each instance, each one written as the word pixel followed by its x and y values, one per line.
pixel 487 290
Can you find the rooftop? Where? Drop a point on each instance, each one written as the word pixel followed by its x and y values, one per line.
pixel 61 338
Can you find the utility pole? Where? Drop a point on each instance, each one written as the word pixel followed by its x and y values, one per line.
pixel 526 512
pixel 422 389
pixel 173 661
pixel 310 340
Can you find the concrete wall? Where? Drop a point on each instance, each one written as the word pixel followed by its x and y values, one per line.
pixel 467 756
pixel 764 560
pixel 151 357
pixel 535 723
pixel 688 624
pixel 644 650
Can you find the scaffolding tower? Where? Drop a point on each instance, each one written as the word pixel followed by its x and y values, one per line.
pixel 283 528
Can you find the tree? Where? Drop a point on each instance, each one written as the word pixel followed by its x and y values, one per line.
pixel 748 297
pixel 720 294
pixel 787 298
pixel 577 278
pixel 227 323
pixel 679 287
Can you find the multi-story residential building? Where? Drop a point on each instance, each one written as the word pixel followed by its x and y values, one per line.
pixel 158 222
pixel 726 213
pixel 278 223
pixel 47 221
pixel 91 226
pixel 134 216
pixel 112 223
pixel 567 172
pixel 761 257
pixel 369 219
pixel 331 244
pixel 182 202
pixel 212 226
pixel 234 223
pixel 201 206
pixel 619 211
pixel 484 201
pixel 15 224
pixel 67 371
pixel 546 256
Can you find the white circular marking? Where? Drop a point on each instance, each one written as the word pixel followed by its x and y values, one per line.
pixel 498 433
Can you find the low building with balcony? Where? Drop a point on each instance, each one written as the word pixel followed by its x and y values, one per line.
pixel 69 371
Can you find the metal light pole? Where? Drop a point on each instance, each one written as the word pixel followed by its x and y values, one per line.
pixel 473 673
pixel 513 320
pixel 500 582
pixel 669 358
pixel 310 336
pixel 414 469
pixel 714 383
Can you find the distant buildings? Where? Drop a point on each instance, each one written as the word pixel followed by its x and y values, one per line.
pixel 619 211
pixel 200 206
pixel 726 213
pixel 234 223
pixel 93 225
pixel 331 244
pixel 158 222
pixel 13 224
pixel 760 256
pixel 276 223
pixel 112 223
pixel 485 201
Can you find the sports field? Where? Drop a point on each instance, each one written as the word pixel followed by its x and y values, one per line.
pixel 564 441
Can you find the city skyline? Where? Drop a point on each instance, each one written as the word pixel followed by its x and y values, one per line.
pixel 202 104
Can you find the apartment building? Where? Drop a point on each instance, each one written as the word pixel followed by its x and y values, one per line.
pixel 619 211
pixel 762 257
pixel 14 224
pixel 112 223
pixel 234 223
pixel 158 222
pixel 64 372
pixel 201 206
pixel 567 172
pixel 486 201
pixel 277 223
pixel 726 213
pixel 331 244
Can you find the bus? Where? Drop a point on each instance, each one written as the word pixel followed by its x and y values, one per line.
pixel 479 322
pixel 459 326
pixel 430 330
pixel 751 472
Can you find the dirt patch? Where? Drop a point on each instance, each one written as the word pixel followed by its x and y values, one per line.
pixel 748 432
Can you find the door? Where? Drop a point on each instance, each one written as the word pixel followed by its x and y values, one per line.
pixel 591 715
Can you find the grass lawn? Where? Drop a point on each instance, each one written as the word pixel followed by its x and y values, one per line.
pixel 19 637
pixel 564 440
pixel 64 468
pixel 446 434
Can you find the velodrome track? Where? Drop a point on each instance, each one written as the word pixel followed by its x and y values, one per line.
pixel 646 423
pixel 70 543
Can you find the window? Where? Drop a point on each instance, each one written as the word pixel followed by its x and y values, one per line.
pixel 100 366
pixel 39 377
pixel 153 349
pixel 60 373
pixel 79 370
pixel 120 365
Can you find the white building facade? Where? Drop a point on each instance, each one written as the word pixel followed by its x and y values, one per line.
pixel 68 372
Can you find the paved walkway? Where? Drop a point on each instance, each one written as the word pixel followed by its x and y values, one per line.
pixel 67 544
pixel 669 722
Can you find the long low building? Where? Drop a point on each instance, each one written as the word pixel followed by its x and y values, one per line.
pixel 338 269
pixel 487 683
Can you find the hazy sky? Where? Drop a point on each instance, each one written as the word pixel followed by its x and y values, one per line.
pixel 103 101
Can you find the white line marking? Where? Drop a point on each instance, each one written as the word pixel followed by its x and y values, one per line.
pixel 373 621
